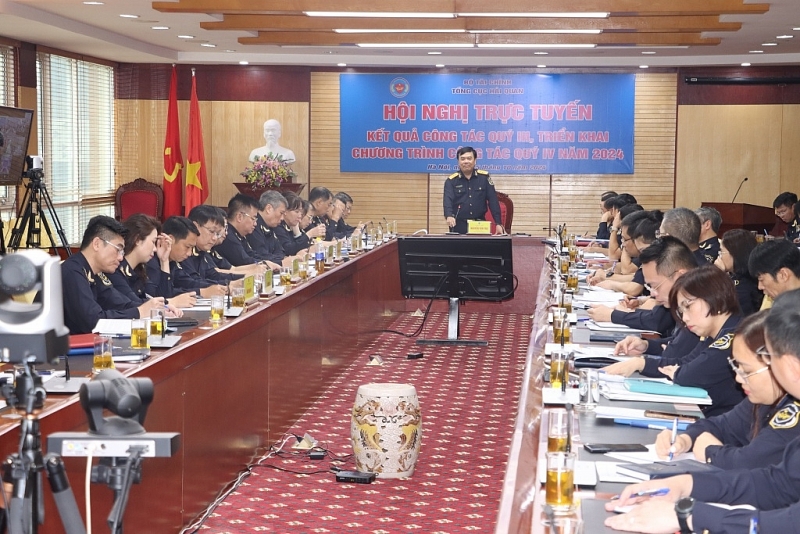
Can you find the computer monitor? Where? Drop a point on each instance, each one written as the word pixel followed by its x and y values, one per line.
pixel 456 268
pixel 463 267
pixel 15 131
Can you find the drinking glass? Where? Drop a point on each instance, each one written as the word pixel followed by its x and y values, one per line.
pixel 560 482
pixel 139 334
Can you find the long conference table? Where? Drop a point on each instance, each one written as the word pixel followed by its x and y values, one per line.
pixel 520 510
pixel 236 388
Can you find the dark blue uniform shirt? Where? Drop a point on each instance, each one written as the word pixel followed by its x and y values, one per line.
pixel 777 426
pixel 291 244
pixel 265 243
pixel 467 199
pixel 89 297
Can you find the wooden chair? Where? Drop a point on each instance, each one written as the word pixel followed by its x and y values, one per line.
pixel 139 196
pixel 506 212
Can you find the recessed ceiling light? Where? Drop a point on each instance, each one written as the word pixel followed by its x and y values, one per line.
pixel 186 37
pixel 126 16
pixel 769 44
pixel 540 53
pixel 648 52
pixel 573 15
pixel 159 28
pixel 785 36
pixel 434 53
pixel 564 32
pixel 440 65
pixel 756 51
pixel 208 45
pixel 796 29
pixel 541 66
pixel 244 63
pixel 230 50
pixel 379 14
pixel 745 64
pixel 522 45
pixel 644 66
pixel 389 30
pixel 415 45
pixel 94 3
pixel 341 64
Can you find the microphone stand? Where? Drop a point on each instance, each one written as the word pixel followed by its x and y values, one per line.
pixel 740 188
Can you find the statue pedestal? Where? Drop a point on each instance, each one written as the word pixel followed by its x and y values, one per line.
pixel 255 192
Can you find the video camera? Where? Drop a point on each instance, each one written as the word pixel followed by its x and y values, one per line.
pixel 35 165
pixel 33 333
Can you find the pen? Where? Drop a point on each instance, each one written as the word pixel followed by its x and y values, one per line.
pixel 673 438
pixel 660 492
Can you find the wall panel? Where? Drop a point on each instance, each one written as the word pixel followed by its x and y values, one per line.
pixel 720 145
pixel 575 198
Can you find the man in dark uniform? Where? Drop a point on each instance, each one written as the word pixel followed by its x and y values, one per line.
pixel 710 221
pixel 321 200
pixel 272 206
pixel 242 218
pixel 88 294
pixel 467 192
pixel 201 265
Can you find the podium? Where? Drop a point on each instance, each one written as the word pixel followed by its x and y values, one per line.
pixel 747 216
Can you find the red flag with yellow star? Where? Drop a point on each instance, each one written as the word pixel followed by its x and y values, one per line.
pixel 196 180
pixel 172 184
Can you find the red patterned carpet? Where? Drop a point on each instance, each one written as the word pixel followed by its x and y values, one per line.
pixel 468 397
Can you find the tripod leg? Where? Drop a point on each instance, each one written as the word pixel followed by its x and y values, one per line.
pixel 17 474
pixel 62 494
pixel 22 220
pixel 56 222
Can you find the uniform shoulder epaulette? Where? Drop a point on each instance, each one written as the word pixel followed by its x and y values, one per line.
pixel 786 418
pixel 454 175
pixel 724 342
pixel 481 171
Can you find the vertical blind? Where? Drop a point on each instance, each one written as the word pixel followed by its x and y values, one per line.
pixel 76 138
pixel 7 98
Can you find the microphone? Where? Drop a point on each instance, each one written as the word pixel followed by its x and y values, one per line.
pixel 740 188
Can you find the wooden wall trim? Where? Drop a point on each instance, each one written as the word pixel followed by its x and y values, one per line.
pixel 235 83
pixel 706 95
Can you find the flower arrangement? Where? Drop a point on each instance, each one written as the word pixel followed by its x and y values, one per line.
pixel 269 171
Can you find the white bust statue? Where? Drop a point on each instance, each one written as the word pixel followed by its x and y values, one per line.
pixel 272 132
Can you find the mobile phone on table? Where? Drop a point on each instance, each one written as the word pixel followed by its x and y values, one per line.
pixel 614 447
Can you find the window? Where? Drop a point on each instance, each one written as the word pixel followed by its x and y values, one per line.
pixel 76 139
pixel 7 98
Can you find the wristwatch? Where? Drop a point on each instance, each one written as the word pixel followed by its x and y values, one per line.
pixel 683 508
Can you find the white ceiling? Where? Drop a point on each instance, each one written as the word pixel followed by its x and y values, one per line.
pixel 99 31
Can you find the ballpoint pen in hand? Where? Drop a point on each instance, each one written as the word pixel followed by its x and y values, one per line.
pixel 672 438
pixel 660 492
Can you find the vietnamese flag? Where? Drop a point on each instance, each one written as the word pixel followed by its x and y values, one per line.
pixel 173 160
pixel 196 181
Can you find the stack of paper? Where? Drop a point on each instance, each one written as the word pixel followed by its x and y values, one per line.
pixel 604 326
pixel 646 457
pixel 618 391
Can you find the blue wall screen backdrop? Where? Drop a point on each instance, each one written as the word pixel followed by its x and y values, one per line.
pixel 518 123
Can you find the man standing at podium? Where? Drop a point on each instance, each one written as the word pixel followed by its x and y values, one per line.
pixel 467 192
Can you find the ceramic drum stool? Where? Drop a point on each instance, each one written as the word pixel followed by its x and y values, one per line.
pixel 386 429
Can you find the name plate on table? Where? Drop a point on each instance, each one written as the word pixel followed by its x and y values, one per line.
pixel 479 227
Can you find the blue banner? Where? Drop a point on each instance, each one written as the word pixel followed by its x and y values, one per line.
pixel 518 123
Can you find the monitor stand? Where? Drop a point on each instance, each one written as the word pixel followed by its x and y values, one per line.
pixel 452 331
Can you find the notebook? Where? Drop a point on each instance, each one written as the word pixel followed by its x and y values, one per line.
pixel 666 469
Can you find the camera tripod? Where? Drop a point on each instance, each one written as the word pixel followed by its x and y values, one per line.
pixel 32 218
pixel 24 468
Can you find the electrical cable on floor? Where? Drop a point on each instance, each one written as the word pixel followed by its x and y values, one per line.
pixel 274 451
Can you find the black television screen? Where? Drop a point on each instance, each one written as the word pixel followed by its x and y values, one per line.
pixel 463 267
pixel 15 131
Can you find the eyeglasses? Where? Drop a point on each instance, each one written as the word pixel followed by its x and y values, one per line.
pixel 651 288
pixel 120 248
pixel 254 217
pixel 212 232
pixel 765 355
pixel 738 370
pixel 684 306
pixel 660 233
pixel 782 211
